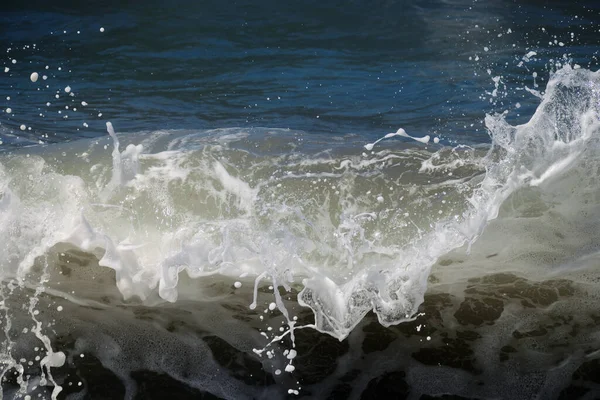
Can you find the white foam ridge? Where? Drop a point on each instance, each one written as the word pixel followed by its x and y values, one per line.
pixel 558 132
pixel 350 232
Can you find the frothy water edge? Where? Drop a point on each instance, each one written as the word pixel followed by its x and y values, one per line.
pixel 309 224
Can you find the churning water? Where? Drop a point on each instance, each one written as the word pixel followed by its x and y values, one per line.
pixel 200 200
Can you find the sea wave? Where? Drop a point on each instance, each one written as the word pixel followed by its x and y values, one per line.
pixel 317 222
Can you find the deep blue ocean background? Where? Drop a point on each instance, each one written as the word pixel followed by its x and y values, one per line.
pixel 364 67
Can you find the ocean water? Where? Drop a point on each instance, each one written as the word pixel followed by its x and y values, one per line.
pixel 328 200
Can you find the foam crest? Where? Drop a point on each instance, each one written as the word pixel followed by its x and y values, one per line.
pixel 557 134
pixel 352 232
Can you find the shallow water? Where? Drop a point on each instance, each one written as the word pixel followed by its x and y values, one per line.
pixel 206 201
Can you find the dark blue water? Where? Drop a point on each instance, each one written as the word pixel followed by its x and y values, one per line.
pixel 94 237
pixel 336 67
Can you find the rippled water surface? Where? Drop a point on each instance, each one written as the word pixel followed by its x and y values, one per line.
pixel 328 200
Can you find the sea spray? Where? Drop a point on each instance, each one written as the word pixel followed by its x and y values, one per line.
pixel 49 358
pixel 565 121
pixel 344 231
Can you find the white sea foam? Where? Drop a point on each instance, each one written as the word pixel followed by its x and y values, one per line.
pixel 352 233
pixel 400 132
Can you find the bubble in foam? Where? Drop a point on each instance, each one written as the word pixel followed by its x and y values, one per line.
pixel 6 69
pixel 34 77
pixel 289 368
pixel 101 29
pixel 14 61
pixel 272 306
pixel 9 110
pixel 292 354
pixel 23 127
pixel 68 89
pixel 237 285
